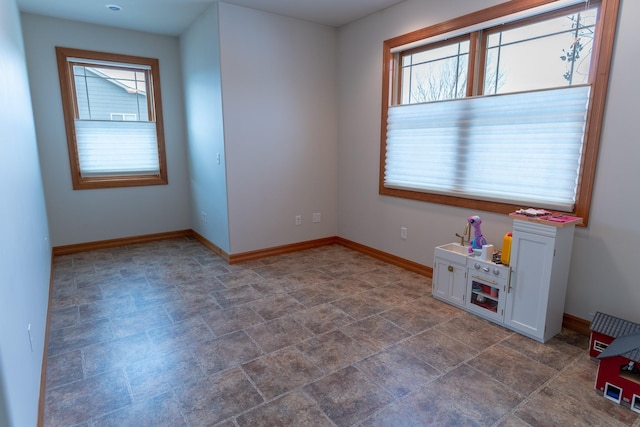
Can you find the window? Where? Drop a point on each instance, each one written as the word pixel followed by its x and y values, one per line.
pixel 113 117
pixel 499 109
pixel 599 346
pixel 124 116
pixel 435 74
pixel 612 392
pixel 635 403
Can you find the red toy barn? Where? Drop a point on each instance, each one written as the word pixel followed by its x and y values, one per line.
pixel 615 344
pixel 606 328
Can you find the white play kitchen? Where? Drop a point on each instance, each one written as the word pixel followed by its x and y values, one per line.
pixel 523 288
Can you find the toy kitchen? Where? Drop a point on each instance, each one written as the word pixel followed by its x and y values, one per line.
pixel 523 286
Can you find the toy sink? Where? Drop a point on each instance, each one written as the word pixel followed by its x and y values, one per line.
pixel 454 252
pixel 455 247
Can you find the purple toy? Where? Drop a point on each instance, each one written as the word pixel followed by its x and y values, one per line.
pixel 478 239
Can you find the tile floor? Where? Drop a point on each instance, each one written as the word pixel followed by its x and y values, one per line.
pixel 168 334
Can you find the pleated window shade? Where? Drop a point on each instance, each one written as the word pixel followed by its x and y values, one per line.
pixel 107 148
pixel 520 148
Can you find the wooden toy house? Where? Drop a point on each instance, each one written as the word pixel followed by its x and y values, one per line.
pixel 615 344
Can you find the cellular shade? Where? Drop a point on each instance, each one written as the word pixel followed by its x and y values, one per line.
pixel 519 148
pixel 108 148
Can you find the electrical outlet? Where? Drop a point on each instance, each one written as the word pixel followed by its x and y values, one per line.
pixel 204 217
pixel 403 233
pixel 298 219
pixel 317 217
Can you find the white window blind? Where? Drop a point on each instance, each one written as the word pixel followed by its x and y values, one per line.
pixel 520 148
pixel 107 148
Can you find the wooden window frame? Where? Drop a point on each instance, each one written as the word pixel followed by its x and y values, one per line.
pixel 601 63
pixel 69 107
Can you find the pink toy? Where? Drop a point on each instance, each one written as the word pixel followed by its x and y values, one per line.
pixel 478 239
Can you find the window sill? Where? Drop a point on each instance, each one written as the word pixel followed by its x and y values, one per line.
pixel 116 182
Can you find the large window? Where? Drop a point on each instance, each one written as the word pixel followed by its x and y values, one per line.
pixel 113 116
pixel 499 109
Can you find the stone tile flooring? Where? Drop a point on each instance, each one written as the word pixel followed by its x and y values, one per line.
pixel 168 334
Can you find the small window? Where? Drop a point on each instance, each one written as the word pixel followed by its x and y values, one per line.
pixel 613 392
pixel 599 346
pixel 130 117
pixel 635 403
pixel 436 74
pixel 113 117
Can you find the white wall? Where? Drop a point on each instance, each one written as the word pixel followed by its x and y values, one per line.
pixel 25 253
pixel 82 216
pixel 199 47
pixel 604 269
pixel 280 123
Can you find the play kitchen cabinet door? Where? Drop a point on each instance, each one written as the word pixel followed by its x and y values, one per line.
pixel 449 280
pixel 539 269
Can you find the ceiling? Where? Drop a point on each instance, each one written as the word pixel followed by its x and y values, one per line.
pixel 172 17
